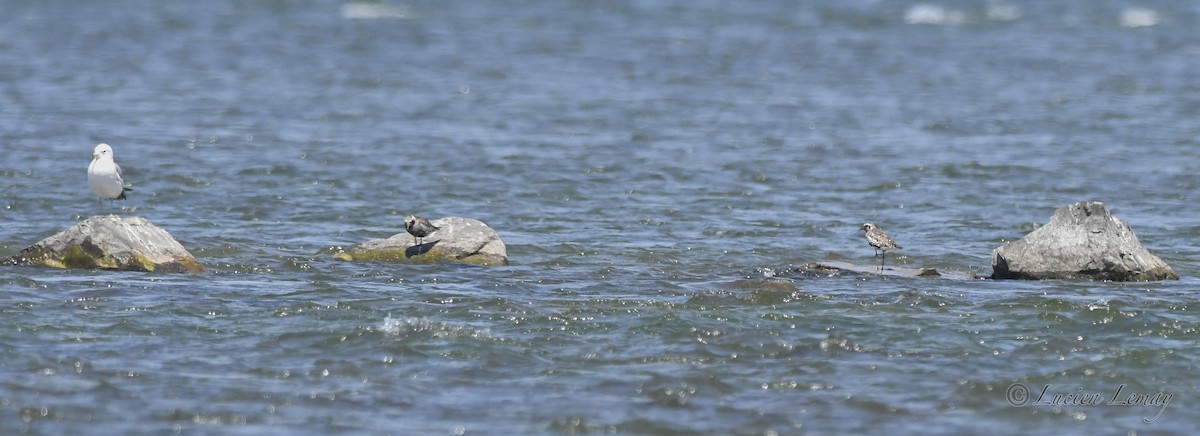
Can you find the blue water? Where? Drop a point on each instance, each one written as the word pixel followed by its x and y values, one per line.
pixel 657 170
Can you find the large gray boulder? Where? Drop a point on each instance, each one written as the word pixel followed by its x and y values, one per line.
pixel 111 242
pixel 1082 240
pixel 457 240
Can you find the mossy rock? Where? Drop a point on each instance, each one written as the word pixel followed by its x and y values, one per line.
pixel 458 240
pixel 111 242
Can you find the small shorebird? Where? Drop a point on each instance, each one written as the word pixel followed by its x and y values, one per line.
pixel 419 227
pixel 880 241
pixel 104 175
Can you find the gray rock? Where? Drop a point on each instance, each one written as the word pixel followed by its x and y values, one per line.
pixel 110 242
pixel 458 240
pixel 1082 240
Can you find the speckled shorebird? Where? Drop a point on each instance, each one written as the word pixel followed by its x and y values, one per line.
pixel 419 227
pixel 880 241
pixel 104 175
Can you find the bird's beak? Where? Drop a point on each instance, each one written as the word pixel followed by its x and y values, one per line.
pixel 94 156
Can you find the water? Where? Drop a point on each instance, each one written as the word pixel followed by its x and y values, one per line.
pixel 648 164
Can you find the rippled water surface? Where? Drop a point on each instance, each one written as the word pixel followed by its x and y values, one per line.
pixel 657 169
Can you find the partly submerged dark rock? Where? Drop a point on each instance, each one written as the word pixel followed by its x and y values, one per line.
pixel 928 272
pixel 763 284
pixel 457 240
pixel 1082 240
pixel 111 242
pixel 834 268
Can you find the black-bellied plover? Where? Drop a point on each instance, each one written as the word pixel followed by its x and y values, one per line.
pixel 104 175
pixel 419 227
pixel 880 241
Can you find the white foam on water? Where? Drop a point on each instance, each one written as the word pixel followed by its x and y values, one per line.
pixel 397 326
pixel 925 13
pixel 368 11
pixel 1139 17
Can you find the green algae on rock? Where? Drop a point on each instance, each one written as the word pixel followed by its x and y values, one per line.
pixel 111 242
pixel 458 240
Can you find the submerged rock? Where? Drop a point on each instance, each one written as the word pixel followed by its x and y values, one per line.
pixel 111 242
pixel 1082 240
pixel 835 268
pixel 456 240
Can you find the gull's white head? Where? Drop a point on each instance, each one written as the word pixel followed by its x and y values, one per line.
pixel 101 151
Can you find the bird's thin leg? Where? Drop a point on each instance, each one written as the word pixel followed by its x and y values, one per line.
pixel 882 260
